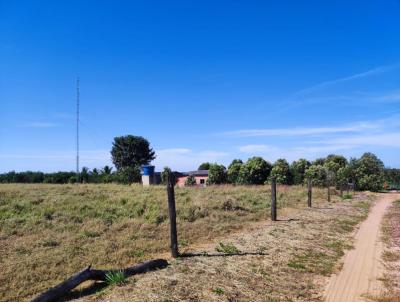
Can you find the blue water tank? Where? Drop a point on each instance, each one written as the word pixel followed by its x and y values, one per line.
pixel 148 170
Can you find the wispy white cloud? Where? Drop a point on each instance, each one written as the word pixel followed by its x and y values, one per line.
pixel 53 160
pixel 374 71
pixel 177 158
pixel 173 151
pixel 302 131
pixel 39 125
pixel 272 153
pixel 257 148
pixel 370 135
pixel 85 155
pixel 382 139
pixel 388 97
pixel 186 159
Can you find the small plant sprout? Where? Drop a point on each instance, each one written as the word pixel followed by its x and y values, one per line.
pixel 347 196
pixel 218 290
pixel 228 249
pixel 116 278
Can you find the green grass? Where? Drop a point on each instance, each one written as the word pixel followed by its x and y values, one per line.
pixel 323 261
pixel 218 290
pixel 313 262
pixel 48 231
pixel 115 278
pixel 228 248
pixel 347 196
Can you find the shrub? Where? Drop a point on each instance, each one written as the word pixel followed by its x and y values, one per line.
pixel 228 249
pixel 204 166
pixel 216 174
pixel 255 171
pixel 369 172
pixel 318 175
pixel 190 181
pixel 233 171
pixel 128 175
pixel 281 172
pixel 164 175
pixel 298 170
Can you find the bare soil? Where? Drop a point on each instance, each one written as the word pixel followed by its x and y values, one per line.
pixel 362 266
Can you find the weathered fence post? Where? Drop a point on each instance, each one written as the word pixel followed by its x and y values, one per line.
pixel 172 215
pixel 309 192
pixel 273 199
pixel 328 184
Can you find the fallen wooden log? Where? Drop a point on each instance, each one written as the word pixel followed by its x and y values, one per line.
pixel 63 288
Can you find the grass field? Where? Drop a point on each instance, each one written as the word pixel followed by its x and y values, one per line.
pixel 48 232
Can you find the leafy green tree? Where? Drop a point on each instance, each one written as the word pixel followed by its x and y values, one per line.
pixel 94 176
pixel 190 181
pixel 164 175
pixel 84 175
pixel 131 151
pixel 392 178
pixel 317 173
pixel 128 175
pixel 255 171
pixel 204 166
pixel 319 162
pixel 369 172
pixel 343 177
pixel 216 174
pixel 281 172
pixel 107 170
pixel 332 164
pixel 298 169
pixel 106 174
pixel 339 160
pixel 233 170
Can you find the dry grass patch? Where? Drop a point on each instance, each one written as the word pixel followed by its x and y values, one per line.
pixel 278 261
pixel 48 232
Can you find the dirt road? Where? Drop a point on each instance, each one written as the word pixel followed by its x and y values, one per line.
pixel 362 265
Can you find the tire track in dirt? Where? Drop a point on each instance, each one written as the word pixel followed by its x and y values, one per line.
pixel 362 265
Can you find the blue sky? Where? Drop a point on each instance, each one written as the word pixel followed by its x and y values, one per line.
pixel 201 80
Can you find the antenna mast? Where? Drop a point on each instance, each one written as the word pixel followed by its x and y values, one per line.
pixel 77 129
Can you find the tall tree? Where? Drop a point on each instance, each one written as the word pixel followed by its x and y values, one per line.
pixel 369 172
pixel 255 171
pixel 299 168
pixel 164 175
pixel 233 170
pixel 131 151
pixel 216 174
pixel 281 172
pixel 317 173
pixel 204 166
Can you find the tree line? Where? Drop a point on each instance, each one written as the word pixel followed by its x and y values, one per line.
pixel 130 152
pixel 366 173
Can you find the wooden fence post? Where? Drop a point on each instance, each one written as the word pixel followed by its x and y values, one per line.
pixel 172 215
pixel 309 192
pixel 273 199
pixel 328 184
